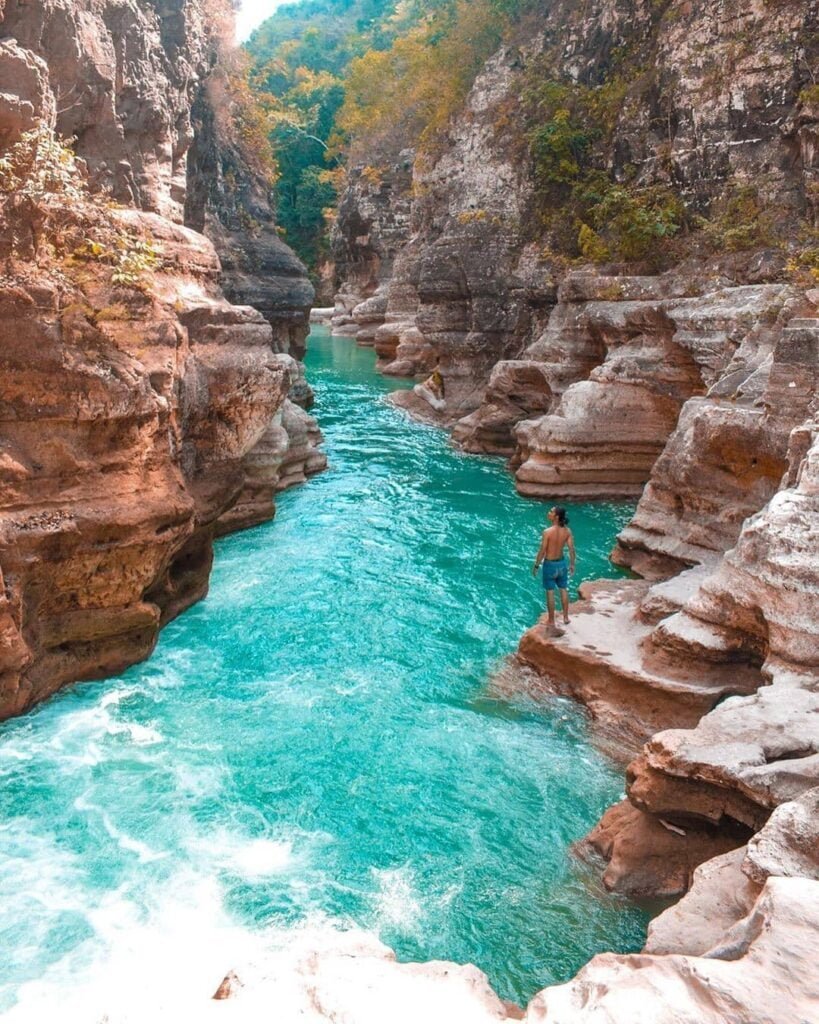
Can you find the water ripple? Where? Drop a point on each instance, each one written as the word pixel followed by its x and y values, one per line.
pixel 318 741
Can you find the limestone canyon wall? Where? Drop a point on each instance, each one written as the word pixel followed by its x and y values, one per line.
pixel 687 381
pixel 455 266
pixel 140 410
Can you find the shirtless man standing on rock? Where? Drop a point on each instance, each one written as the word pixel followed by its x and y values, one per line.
pixel 556 572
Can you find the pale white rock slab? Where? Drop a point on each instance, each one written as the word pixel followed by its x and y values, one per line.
pixel 763 972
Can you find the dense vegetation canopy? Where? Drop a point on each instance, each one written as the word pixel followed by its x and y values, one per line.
pixel 352 79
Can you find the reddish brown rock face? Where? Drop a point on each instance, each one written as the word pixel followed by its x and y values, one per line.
pixel 647 856
pixel 125 421
pixel 140 412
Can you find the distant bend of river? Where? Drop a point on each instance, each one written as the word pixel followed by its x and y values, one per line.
pixel 313 744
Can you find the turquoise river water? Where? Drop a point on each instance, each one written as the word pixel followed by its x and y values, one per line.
pixel 315 745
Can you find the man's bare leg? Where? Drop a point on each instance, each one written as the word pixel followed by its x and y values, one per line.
pixel 564 604
pixel 550 605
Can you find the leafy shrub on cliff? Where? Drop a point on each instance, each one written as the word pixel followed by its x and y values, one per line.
pixel 134 257
pixel 803 264
pixel 51 216
pixel 42 193
pixel 630 223
pixel 42 166
pixel 585 213
pixel 559 148
pixel 738 220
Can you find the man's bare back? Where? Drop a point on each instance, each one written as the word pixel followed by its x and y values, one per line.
pixel 556 538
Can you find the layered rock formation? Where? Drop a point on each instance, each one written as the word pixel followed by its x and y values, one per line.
pixel 228 199
pixel 371 227
pixel 727 655
pixel 455 290
pixel 463 276
pixel 604 433
pixel 140 411
pixel 692 388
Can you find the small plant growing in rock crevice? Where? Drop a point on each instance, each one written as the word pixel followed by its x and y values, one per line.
pixel 136 257
pixel 42 188
pixel 52 217
pixel 809 96
pixel 130 258
pixel 372 176
pixel 42 166
pixel 803 265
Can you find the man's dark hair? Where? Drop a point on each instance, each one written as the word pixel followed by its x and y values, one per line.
pixel 562 518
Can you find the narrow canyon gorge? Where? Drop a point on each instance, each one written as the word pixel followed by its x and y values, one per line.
pixel 656 344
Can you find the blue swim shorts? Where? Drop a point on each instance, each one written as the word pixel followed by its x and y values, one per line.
pixel 555 574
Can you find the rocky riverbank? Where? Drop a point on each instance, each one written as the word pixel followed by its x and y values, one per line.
pixel 739 947
pixel 151 398
pixel 689 382
pixel 141 410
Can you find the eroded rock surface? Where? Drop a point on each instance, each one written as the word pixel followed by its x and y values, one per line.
pixel 457 271
pixel 760 971
pixel 373 223
pixel 604 435
pixel 728 654
pixel 127 418
pixel 140 411
pixel 736 947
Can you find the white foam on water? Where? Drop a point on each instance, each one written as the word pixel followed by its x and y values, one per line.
pixel 122 839
pixel 260 857
pixel 165 966
pixel 176 666
pixel 252 858
pixel 396 905
pixel 143 735
pixel 34 869
pixel 78 737
pixel 114 697
pixel 198 780
pixel 137 969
